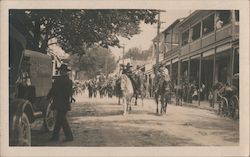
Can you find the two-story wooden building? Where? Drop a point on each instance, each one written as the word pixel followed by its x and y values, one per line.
pixel 203 48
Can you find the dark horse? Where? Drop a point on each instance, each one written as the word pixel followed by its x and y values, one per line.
pixel 139 88
pixel 162 91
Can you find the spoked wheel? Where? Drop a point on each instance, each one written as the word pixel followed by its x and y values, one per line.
pixel 24 131
pixel 234 103
pixel 223 107
pixel 50 118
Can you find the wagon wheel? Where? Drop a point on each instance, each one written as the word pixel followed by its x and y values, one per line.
pixel 49 118
pixel 24 131
pixel 234 102
pixel 223 106
pixel 231 108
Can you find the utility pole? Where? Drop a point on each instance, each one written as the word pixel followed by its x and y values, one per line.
pixel 158 41
pixel 123 51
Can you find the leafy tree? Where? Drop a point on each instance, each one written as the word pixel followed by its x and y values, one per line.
pixel 74 29
pixel 137 54
pixel 96 60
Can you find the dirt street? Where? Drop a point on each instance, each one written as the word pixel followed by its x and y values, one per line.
pixel 99 122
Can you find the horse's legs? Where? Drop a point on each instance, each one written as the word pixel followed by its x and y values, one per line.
pixel 166 103
pixel 136 96
pixel 124 106
pixel 162 103
pixel 119 100
pixel 129 104
pixel 142 101
pixel 156 99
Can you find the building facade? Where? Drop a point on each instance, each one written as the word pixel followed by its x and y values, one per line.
pixel 203 48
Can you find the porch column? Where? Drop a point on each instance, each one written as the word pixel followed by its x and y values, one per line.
pixel 199 94
pixel 147 86
pixel 232 65
pixel 189 69
pixel 170 70
pixel 214 66
pixel 179 71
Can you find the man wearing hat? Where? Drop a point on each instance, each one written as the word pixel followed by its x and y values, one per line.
pixel 61 94
pixel 164 73
pixel 126 69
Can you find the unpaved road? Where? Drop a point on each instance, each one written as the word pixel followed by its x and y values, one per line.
pixel 99 122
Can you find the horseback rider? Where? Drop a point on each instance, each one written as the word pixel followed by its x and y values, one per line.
pixel 163 71
pixel 127 69
pixel 101 77
pixel 140 78
pixel 162 76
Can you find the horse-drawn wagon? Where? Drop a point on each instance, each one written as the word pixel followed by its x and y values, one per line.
pixel 229 98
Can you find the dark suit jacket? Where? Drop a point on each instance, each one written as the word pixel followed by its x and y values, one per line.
pixel 61 93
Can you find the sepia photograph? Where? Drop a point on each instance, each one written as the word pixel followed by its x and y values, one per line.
pixel 108 77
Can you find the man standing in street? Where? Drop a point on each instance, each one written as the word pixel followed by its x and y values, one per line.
pixel 61 94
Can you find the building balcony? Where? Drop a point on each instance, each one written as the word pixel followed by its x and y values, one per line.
pixel 226 32
pixel 195 45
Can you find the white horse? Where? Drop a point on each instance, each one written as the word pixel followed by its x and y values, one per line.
pixel 127 93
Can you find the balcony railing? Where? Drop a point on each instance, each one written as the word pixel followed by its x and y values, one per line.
pixel 195 45
pixel 185 49
pixel 236 29
pixel 224 32
pixel 208 39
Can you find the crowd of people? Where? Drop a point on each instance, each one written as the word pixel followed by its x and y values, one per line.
pixel 63 87
pixel 185 92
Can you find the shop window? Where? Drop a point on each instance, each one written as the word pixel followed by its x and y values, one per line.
pixel 237 15
pixel 208 24
pixel 223 18
pixel 196 31
pixel 185 37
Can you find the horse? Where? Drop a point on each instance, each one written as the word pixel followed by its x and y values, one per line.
pixel 178 89
pixel 127 92
pixel 102 89
pixel 110 88
pixel 117 89
pixel 162 91
pixel 139 88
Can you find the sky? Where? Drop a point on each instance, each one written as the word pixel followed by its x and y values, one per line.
pixel 144 39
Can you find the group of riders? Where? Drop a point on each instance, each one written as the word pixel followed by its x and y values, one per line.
pixel 163 88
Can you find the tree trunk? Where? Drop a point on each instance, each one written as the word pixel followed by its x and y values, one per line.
pixel 44 46
pixel 37 35
pixel 76 75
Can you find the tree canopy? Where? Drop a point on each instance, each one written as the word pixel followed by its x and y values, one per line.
pixel 75 30
pixel 96 60
pixel 136 53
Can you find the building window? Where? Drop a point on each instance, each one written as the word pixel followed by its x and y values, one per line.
pixel 196 31
pixel 237 15
pixel 223 18
pixel 208 24
pixel 168 41
pixel 175 40
pixel 185 37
